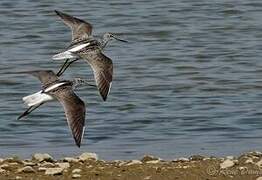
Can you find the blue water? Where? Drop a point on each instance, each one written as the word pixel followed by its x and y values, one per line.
pixel 188 82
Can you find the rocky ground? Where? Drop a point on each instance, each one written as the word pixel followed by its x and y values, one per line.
pixel 88 167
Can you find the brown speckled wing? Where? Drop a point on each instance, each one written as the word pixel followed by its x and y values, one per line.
pixel 45 76
pixel 74 109
pixel 103 71
pixel 80 28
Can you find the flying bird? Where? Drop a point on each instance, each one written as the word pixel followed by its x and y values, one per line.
pixel 84 46
pixel 61 90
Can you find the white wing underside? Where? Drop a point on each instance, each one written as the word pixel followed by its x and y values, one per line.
pixel 37 98
pixel 41 96
pixel 69 54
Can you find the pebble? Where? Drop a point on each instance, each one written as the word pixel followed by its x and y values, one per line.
pixel 26 169
pixel 133 162
pixel 2 171
pixel 46 164
pixel 42 157
pixel 259 178
pixel 1 160
pixel 149 158
pixel 74 176
pixel 153 162
pixel 18 177
pixel 13 164
pixel 259 163
pixel 42 169
pixel 182 159
pixel 4 166
pixel 88 156
pixel 89 166
pixel 117 161
pixel 64 165
pixel 230 157
pixel 255 153
pixel 226 164
pixel 76 171
pixel 196 158
pixel 28 163
pixel 54 171
pixel 242 168
pixel 147 178
pixel 122 163
pixel 249 160
pixel 70 159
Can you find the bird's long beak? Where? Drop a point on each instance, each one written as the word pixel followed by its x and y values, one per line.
pixel 120 39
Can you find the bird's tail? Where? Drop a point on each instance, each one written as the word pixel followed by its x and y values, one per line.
pixel 64 55
pixel 36 98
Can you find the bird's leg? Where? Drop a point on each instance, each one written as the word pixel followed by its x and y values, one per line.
pixel 79 81
pixel 59 73
pixel 29 110
pixel 65 66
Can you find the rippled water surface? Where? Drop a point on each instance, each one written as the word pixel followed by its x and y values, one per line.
pixel 188 82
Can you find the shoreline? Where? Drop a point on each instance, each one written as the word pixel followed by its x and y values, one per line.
pixel 88 166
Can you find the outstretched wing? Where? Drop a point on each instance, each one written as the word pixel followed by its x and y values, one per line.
pixel 103 71
pixel 74 109
pixel 80 28
pixel 45 76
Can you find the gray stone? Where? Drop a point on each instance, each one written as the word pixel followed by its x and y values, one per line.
pixel 259 163
pixel 230 157
pixel 133 162
pixel 28 163
pixel 147 178
pixel 122 163
pixel 254 153
pixel 43 157
pixel 88 156
pixel 26 169
pixel 63 165
pixel 76 171
pixel 46 164
pixel 70 159
pixel 42 169
pixel 117 161
pixel 153 162
pixel 196 158
pixel 241 168
pixel 182 159
pixel 249 161
pixel 227 163
pixel 13 164
pixel 149 158
pixel 2 171
pixel 75 176
pixel 54 171
pixel 4 166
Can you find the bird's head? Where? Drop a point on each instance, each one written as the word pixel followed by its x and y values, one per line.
pixel 110 36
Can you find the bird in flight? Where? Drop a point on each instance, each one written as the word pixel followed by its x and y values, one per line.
pixel 84 46
pixel 62 90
